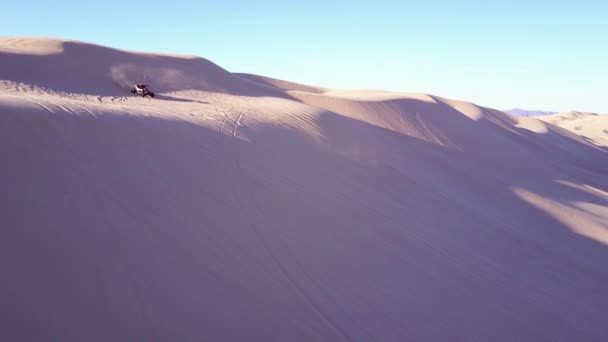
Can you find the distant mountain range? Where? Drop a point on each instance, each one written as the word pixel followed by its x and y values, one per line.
pixel 525 112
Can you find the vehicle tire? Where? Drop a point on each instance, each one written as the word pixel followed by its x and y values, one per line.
pixel 152 94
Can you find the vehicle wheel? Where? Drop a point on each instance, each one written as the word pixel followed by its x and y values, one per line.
pixel 152 94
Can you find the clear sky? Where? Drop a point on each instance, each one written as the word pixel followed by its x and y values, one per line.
pixel 550 55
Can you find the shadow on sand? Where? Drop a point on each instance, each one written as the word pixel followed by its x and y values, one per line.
pixel 137 228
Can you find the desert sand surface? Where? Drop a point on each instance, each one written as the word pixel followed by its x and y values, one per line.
pixel 590 125
pixel 235 207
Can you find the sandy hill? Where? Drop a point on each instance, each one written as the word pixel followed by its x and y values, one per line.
pixel 236 207
pixel 590 125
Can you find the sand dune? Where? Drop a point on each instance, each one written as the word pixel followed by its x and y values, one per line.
pixel 589 125
pixel 237 207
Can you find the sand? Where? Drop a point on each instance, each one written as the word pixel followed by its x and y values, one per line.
pixel 236 207
pixel 592 126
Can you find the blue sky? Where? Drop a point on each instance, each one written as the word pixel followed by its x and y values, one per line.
pixel 549 55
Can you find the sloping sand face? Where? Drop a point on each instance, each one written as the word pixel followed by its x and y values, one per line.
pixel 241 208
